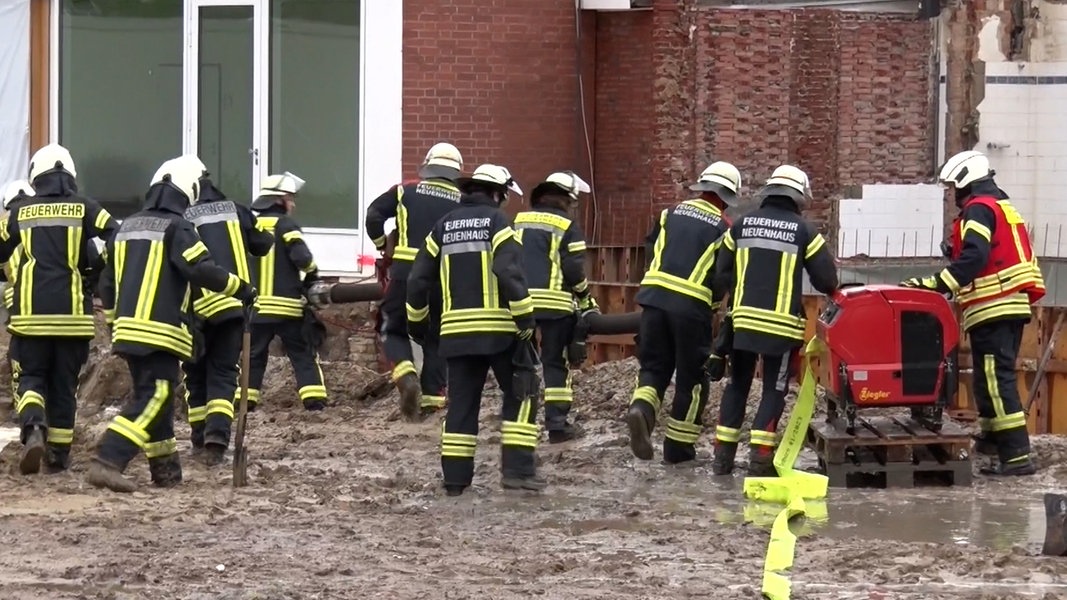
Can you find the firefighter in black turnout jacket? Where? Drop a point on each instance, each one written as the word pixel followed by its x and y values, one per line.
pixel 229 231
pixel 553 252
pixel 487 314
pixel 145 290
pixel 15 193
pixel 50 313
pixel 677 304
pixel 417 207
pixel 761 263
pixel 282 277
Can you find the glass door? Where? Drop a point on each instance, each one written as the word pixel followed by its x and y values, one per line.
pixel 223 85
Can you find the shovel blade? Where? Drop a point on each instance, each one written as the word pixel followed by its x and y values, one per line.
pixel 240 468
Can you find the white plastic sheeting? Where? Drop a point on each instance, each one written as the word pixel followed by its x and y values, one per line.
pixel 15 83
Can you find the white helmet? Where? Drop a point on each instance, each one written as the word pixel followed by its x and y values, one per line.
pixel 443 161
pixel 790 181
pixel 965 168
pixel 493 174
pixel 52 157
pixel 17 188
pixel 183 174
pixel 569 182
pixel 721 178
pixel 280 185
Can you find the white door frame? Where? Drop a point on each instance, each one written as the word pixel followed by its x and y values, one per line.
pixel 259 152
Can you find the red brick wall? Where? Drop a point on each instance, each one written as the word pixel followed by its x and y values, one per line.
pixel 845 96
pixel 498 79
pixel 624 116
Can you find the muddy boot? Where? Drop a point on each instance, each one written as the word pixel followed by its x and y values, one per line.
pixel 568 432
pixel 56 460
pixel 214 451
pixel 315 405
pixel 33 451
pixel 985 444
pixel 455 490
pixel 761 463
pixel 105 475
pixel 410 396
pixel 1055 525
pixel 167 470
pixel 196 437
pixel 1011 468
pixel 723 462
pixel 640 431
pixel 531 483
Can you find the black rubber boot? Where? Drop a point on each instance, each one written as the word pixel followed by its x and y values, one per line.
pixel 410 396
pixel 196 437
pixel 761 463
pixel 166 470
pixel 531 483
pixel 723 462
pixel 640 424
pixel 315 405
pixel 1055 525
pixel 106 475
pixel 455 490
pixel 56 460
pixel 568 432
pixel 33 451
pixel 1014 468
pixel 214 452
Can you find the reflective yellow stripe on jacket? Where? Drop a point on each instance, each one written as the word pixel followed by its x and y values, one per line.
pixel 693 284
pixel 553 297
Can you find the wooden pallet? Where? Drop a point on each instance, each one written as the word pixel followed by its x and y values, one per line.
pixel 892 452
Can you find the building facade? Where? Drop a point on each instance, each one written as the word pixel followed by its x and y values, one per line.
pixel 349 94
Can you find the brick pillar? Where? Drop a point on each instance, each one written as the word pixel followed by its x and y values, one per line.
pixel 674 91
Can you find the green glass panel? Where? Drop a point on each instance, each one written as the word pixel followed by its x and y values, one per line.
pixel 314 105
pixel 227 53
pixel 120 94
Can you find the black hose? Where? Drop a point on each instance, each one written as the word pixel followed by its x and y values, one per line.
pixel 600 324
pixel 346 293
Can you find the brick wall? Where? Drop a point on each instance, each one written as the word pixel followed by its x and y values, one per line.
pixel 498 79
pixel 848 97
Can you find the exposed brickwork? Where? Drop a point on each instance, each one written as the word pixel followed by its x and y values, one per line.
pixel 624 115
pixel 498 79
pixel 675 91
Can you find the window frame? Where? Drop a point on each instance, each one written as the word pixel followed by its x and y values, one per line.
pixel 339 251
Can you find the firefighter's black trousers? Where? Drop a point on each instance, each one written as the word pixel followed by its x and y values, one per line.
pixel 211 382
pixel 519 433
pixel 994 348
pixel 555 336
pixel 304 358
pixel 393 330
pixel 16 366
pixel 670 344
pixel 776 373
pixel 146 424
pixel 47 387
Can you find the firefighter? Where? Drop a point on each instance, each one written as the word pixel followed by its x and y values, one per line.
pixel 282 276
pixel 15 193
pixel 50 312
pixel 677 305
pixel 229 231
pixel 995 277
pixel 761 263
pixel 145 291
pixel 486 313
pixel 553 250
pixel 417 206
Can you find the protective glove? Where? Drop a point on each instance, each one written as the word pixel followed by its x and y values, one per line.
pixel 924 283
pixel 588 305
pixel 318 294
pixel 946 249
pixel 715 367
pixel 417 331
pixel 526 328
pixel 247 294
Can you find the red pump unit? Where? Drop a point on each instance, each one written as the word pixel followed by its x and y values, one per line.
pixel 889 346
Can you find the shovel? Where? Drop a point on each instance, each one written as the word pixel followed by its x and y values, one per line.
pixel 240 453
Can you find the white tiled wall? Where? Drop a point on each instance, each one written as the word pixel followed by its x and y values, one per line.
pixel 1023 130
pixel 892 220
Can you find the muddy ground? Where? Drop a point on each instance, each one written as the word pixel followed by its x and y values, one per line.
pixel 346 504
